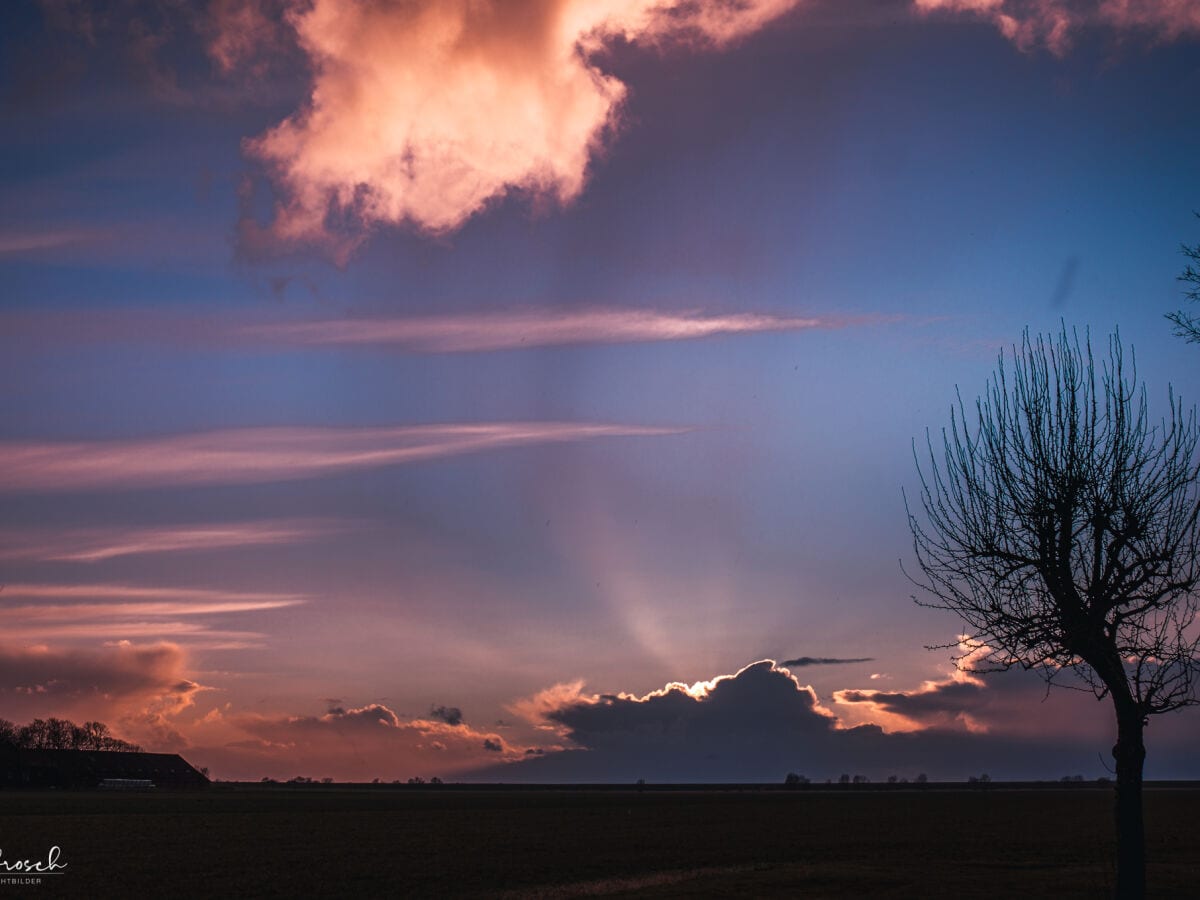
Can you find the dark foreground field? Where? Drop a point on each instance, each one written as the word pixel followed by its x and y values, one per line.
pixel 331 841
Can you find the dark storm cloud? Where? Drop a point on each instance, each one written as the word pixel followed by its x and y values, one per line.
pixel 760 697
pixel 759 724
pixel 451 715
pixel 493 746
pixel 802 661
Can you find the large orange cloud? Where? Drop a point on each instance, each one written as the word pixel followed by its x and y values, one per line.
pixel 422 113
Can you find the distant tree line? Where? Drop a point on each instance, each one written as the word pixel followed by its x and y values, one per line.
pixel 61 734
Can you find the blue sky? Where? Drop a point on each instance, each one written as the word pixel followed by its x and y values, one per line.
pixel 850 211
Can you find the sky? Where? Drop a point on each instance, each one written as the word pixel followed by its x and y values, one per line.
pixel 524 390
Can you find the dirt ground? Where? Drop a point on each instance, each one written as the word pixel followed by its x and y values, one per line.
pixel 333 841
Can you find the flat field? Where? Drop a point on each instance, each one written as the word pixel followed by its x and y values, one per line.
pixel 337 841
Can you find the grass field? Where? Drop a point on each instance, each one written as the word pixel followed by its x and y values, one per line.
pixel 331 841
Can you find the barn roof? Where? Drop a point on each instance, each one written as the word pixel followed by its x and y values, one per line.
pixel 87 768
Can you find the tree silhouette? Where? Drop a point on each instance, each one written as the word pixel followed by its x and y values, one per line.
pixel 1062 527
pixel 61 734
pixel 1187 326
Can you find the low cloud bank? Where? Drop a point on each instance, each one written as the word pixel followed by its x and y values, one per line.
pixel 761 723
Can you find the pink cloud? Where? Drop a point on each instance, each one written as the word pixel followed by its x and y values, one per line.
pixel 195 633
pixel 171 595
pixel 423 113
pixel 137 685
pixel 127 611
pixel 269 454
pixel 538 708
pixel 352 744
pixel 458 333
pixel 99 544
pixel 511 330
pixel 1053 23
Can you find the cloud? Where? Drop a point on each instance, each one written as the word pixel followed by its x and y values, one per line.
pixel 537 709
pixel 14 243
pixel 1011 702
pixel 100 544
pixel 353 744
pixel 144 34
pixel 181 598
pixel 760 723
pixel 954 702
pixel 726 715
pixel 142 686
pixel 246 34
pixel 460 333
pixel 1053 23
pixel 244 456
pixel 532 328
pixel 127 611
pixel 803 661
pixel 451 715
pixel 721 708
pixel 423 113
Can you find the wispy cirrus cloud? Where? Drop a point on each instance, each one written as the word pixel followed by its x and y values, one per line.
pixel 533 328
pixel 90 545
pixel 510 329
pixel 174 598
pixel 241 456
pixel 20 242
pixel 119 629
pixel 123 611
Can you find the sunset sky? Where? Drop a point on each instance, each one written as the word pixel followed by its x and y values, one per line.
pixel 425 387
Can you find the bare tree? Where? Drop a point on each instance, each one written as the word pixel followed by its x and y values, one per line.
pixel 1187 326
pixel 1060 523
pixel 61 734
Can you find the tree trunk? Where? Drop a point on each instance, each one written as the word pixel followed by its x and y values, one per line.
pixel 1129 754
